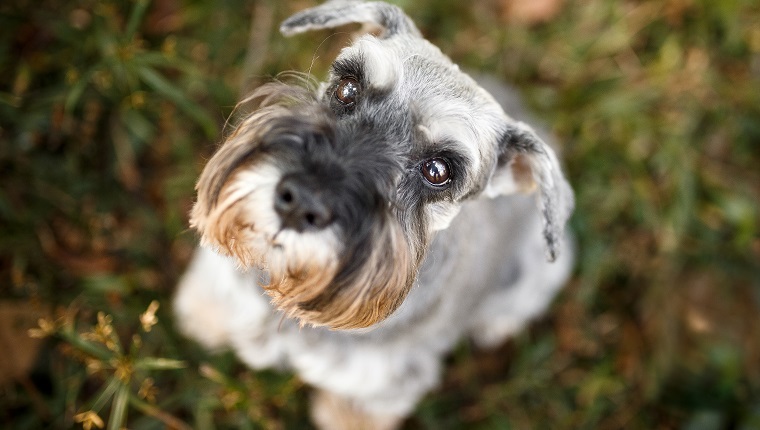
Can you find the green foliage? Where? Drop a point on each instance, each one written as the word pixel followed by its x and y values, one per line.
pixel 108 110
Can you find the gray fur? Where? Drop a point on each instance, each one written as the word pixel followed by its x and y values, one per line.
pixel 488 249
pixel 336 13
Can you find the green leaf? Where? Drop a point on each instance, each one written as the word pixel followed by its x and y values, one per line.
pixel 107 393
pixel 119 409
pixel 135 18
pixel 161 60
pixel 162 86
pixel 157 363
pixel 139 126
pixel 106 283
pixel 95 350
pixel 76 91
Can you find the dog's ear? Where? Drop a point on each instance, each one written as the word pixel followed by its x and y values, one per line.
pixel 390 19
pixel 527 164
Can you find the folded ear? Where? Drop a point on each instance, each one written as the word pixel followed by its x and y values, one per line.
pixel 526 164
pixel 391 19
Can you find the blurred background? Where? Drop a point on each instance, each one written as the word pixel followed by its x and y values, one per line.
pixel 109 109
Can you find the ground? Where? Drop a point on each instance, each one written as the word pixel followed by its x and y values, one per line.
pixel 108 111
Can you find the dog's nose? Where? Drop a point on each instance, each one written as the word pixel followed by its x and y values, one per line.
pixel 300 207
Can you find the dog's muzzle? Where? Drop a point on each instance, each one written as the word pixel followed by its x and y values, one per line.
pixel 312 203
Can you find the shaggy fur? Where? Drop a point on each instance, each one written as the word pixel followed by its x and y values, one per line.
pixel 355 231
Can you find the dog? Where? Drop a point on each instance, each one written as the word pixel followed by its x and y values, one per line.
pixel 354 231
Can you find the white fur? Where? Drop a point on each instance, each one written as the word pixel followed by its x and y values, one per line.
pixel 458 294
pixel 216 303
pixel 448 121
pixel 507 312
pixel 484 276
pixel 222 307
pixel 503 183
pixel 382 66
pixel 441 214
pixel 252 192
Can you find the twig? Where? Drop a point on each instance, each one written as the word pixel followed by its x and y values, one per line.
pixel 258 41
pixel 170 420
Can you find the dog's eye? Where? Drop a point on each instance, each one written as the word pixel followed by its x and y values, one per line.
pixel 436 171
pixel 347 90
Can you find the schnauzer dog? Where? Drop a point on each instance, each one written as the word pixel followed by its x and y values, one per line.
pixel 354 231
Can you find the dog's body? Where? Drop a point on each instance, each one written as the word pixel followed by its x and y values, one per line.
pixel 379 214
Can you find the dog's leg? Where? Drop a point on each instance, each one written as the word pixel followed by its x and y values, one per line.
pixel 199 302
pixel 221 307
pixel 332 412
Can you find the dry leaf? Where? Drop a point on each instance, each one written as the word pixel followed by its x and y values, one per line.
pixel 19 349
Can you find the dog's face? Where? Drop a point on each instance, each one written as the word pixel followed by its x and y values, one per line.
pixel 337 191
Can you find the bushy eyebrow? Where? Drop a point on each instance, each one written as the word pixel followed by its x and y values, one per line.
pixel 446 149
pixel 352 65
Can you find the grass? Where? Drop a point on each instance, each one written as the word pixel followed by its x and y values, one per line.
pixel 108 111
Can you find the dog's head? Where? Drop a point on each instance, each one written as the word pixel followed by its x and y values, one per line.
pixel 337 191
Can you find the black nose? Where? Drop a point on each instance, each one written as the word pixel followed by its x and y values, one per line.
pixel 301 207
